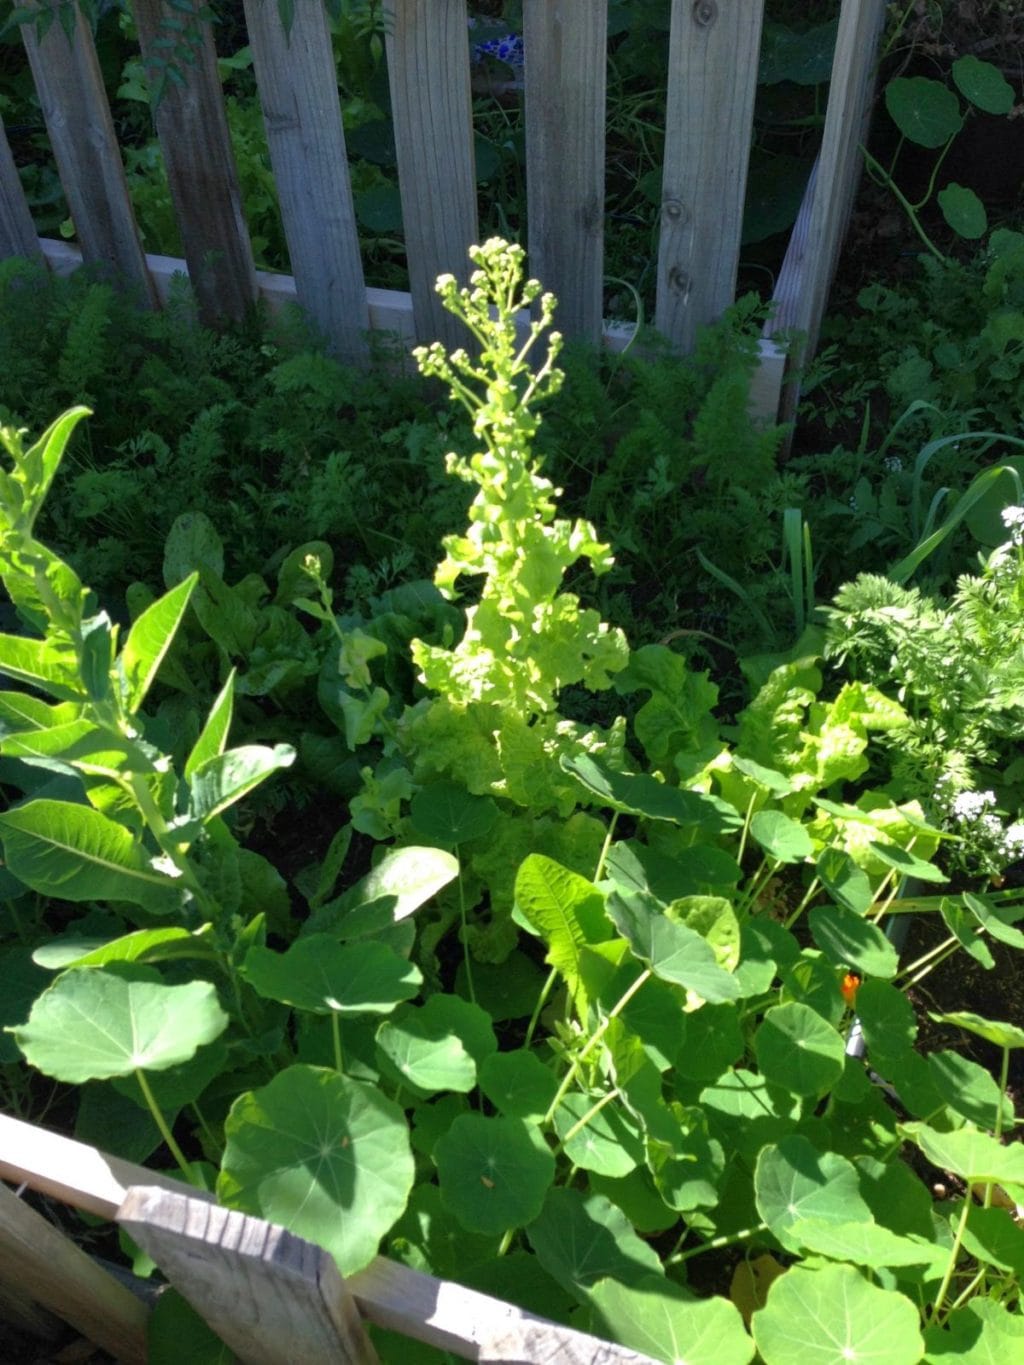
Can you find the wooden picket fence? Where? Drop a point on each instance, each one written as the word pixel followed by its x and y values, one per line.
pixel 711 82
pixel 271 1297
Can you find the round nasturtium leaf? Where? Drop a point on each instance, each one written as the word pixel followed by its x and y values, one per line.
pixel 664 1321
pixel 798 1050
pixel 580 1239
pixel 925 111
pixel 449 814
pixel 518 1084
pixel 969 1153
pixel 849 940
pixel 93 1024
pixel 323 1155
pixel 493 1172
pixel 963 211
pixel 322 975
pixel 831 1315
pixel 1002 1035
pixel 608 1143
pixel 781 837
pixel 794 1181
pixel 983 84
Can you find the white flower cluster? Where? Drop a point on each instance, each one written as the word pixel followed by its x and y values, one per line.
pixel 992 845
pixel 1013 520
pixel 892 464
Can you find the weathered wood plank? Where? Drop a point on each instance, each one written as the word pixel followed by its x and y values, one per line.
pixel 472 1325
pixel 298 90
pixel 192 128
pixel 268 1295
pixel 566 45
pixel 44 1265
pixel 431 103
pixel 801 292
pixel 17 231
pixel 74 103
pixel 712 78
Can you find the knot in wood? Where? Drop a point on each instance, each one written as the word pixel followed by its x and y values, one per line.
pixel 676 212
pixel 679 281
pixel 705 12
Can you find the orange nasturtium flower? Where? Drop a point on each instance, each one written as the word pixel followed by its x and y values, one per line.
pixel 848 987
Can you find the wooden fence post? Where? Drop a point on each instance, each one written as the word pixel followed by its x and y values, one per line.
pixel 713 58
pixel 42 1264
pixel 431 103
pixel 17 231
pixel 74 103
pixel 566 46
pixel 271 1297
pixel 801 291
pixel 298 90
pixel 192 127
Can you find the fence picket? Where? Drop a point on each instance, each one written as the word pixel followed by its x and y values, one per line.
pixel 193 131
pixel 269 1296
pixel 17 231
pixel 566 45
pixel 801 293
pixel 298 89
pixel 713 57
pixel 69 84
pixel 46 1267
pixel 431 104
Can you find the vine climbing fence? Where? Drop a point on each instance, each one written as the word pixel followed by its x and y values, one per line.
pixel 711 81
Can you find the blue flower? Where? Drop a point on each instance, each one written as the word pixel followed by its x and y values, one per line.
pixel 508 50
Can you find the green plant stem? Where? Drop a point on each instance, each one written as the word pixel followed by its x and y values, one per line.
pixel 809 895
pixel 746 828
pixel 336 1036
pixel 599 869
pixel 506 1241
pixel 919 976
pixel 886 179
pixel 943 948
pixel 466 958
pixel 954 1252
pixel 592 1042
pixel 542 1000
pixel 165 1131
pixel 716 1244
pixel 591 1113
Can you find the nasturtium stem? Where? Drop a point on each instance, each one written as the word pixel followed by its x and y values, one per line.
pixel 944 948
pixel 716 1243
pixel 542 999
pixel 592 1042
pixel 954 1252
pixel 599 870
pixel 506 1241
pixel 809 895
pixel 164 1128
pixel 466 956
pixel 336 1035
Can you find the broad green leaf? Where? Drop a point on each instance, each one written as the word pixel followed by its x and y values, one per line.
pixel 144 946
pixel 224 779
pixel 848 940
pixel 844 880
pixel 192 543
pixel 176 1086
pixel 983 84
pixel 77 854
pixel 21 981
pixel 79 745
pixel 968 1153
pixel 963 211
pixel 712 1041
pixel 42 458
pixel 831 1315
pixel 636 1196
pixel 925 111
pixel 687 1167
pixel 437 1046
pixel 781 837
pixel 518 1084
pixel 994 1237
pixel 494 1172
pixel 887 1019
pixel 403 880
pixel 21 711
pixel 447 1248
pixel 175 1332
pixel 149 639
pixel 40 663
pixel 672 951
pixel 317 973
pixel 798 1050
pixel 213 737
pixel 324 1156
pixel 991 919
pixel 907 864
pixel 566 909
pixel 608 1143
pixel 95 1024
pixel 1002 1035
pixel 981 1333
pixel 581 1239
pixel 803 56
pixel 866 1244
pixel 794 1181
pixel 448 814
pixel 506 990
pixel 969 1089
pixel 662 1320
pixel 641 794
pixel 964 927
